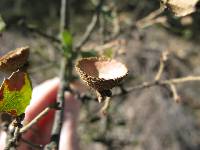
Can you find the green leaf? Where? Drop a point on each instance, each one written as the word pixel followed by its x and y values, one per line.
pixel 67 42
pixel 67 38
pixel 91 53
pixel 108 53
pixel 15 93
pixel 2 24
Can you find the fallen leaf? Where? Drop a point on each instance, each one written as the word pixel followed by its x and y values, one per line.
pixel 181 7
pixel 15 93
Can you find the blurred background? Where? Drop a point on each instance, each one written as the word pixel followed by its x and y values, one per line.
pixel 147 119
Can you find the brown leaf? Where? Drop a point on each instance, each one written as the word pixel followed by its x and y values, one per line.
pixel 181 7
pixel 101 73
pixel 14 60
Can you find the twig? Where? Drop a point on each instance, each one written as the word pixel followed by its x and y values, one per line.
pixel 19 21
pixel 65 74
pixel 180 80
pixel 176 97
pixel 164 82
pixel 91 26
pixel 89 31
pixel 64 17
pixel 152 18
pixel 39 32
pixel 163 59
pixel 12 141
pixel 55 134
pixel 35 120
pixel 153 14
pixel 14 133
pixel 115 44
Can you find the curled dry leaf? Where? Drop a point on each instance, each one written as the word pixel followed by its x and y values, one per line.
pixel 15 93
pixel 101 73
pixel 181 7
pixel 14 60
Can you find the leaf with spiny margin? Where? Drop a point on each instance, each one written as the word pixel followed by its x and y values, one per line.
pixel 15 93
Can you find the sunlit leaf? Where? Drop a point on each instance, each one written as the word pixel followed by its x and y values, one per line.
pixel 15 93
pixel 67 38
pixel 2 24
pixel 181 7
pixel 67 42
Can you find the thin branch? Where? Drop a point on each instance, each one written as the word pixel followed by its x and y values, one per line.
pixel 45 35
pixel 88 32
pixel 12 141
pixel 14 134
pixel 35 120
pixel 180 80
pixel 57 125
pixel 22 23
pixel 163 59
pixel 91 26
pixel 164 82
pixel 64 17
pixel 153 14
pixel 153 18
pixel 176 97
pixel 65 74
pixel 39 32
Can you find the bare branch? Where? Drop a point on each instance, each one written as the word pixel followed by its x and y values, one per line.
pixel 14 134
pixel 181 80
pixel 91 26
pixel 164 82
pixel 153 18
pixel 65 76
pixel 163 59
pixel 57 124
pixel 176 97
pixel 35 120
